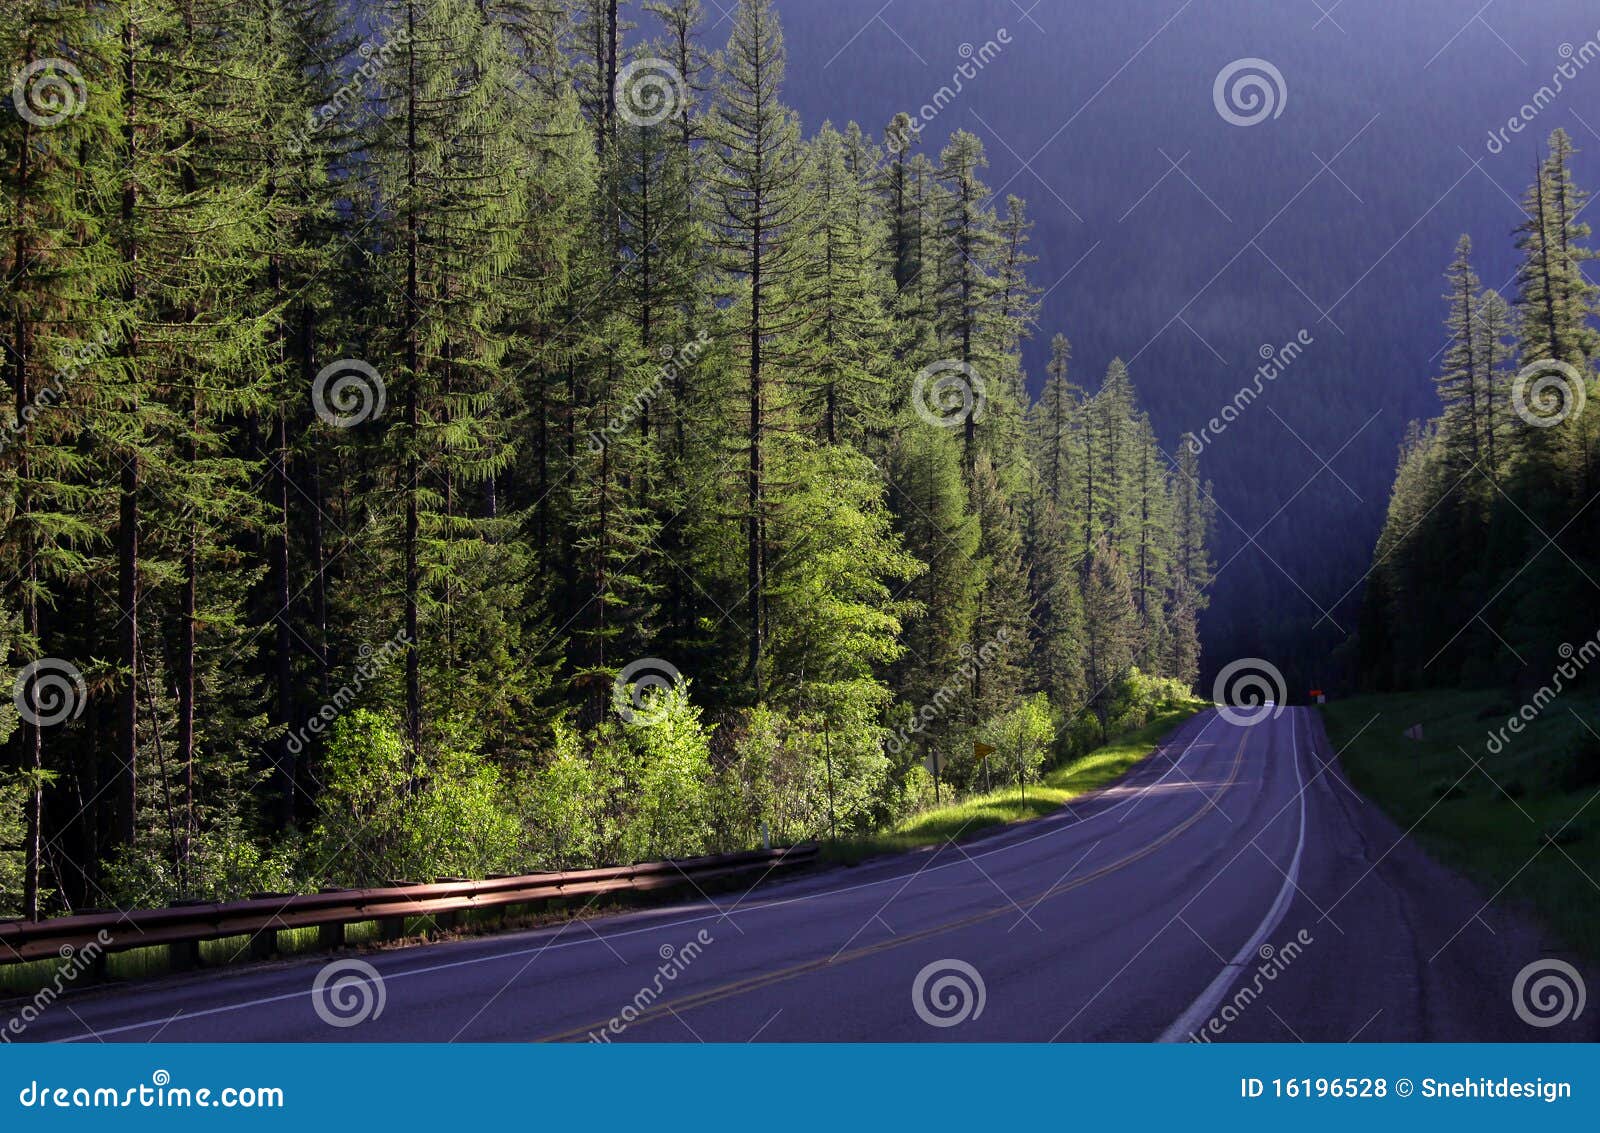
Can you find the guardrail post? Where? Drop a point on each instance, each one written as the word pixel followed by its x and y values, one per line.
pixel 330 936
pixel 264 944
pixel 183 955
pixel 391 928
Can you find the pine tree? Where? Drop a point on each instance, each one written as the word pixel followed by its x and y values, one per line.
pixel 969 248
pixel 1458 385
pixel 757 210
pixel 847 295
pixel 56 261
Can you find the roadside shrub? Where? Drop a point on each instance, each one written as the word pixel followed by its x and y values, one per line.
pixel 382 820
pixel 1022 739
pixel 222 865
pixel 13 832
pixel 622 792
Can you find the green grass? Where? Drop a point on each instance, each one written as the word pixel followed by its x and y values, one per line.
pixel 977 813
pixel 1491 824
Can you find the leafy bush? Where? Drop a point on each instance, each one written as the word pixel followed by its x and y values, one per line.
pixel 623 793
pixel 1022 739
pixel 13 832
pixel 223 865
pixel 382 819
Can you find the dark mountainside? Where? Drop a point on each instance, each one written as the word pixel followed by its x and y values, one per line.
pixel 1399 101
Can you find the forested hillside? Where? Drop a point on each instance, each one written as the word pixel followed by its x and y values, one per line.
pixel 508 441
pixel 1486 569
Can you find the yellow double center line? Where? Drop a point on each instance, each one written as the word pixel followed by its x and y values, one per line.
pixel 766 979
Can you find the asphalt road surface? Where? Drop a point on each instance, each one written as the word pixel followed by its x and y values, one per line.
pixel 1232 887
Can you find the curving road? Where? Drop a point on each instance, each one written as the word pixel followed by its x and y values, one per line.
pixel 1232 887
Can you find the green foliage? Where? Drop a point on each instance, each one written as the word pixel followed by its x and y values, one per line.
pixel 1485 563
pixel 1023 739
pixel 13 827
pixel 1485 800
pixel 383 818
pixel 630 389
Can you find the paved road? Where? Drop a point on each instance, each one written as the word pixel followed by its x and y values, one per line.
pixel 1148 911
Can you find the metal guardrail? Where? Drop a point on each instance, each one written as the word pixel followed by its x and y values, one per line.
pixel 261 918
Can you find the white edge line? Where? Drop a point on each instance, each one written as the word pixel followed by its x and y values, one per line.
pixel 1200 1010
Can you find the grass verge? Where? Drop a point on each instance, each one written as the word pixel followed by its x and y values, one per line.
pixel 1520 824
pixel 1089 772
